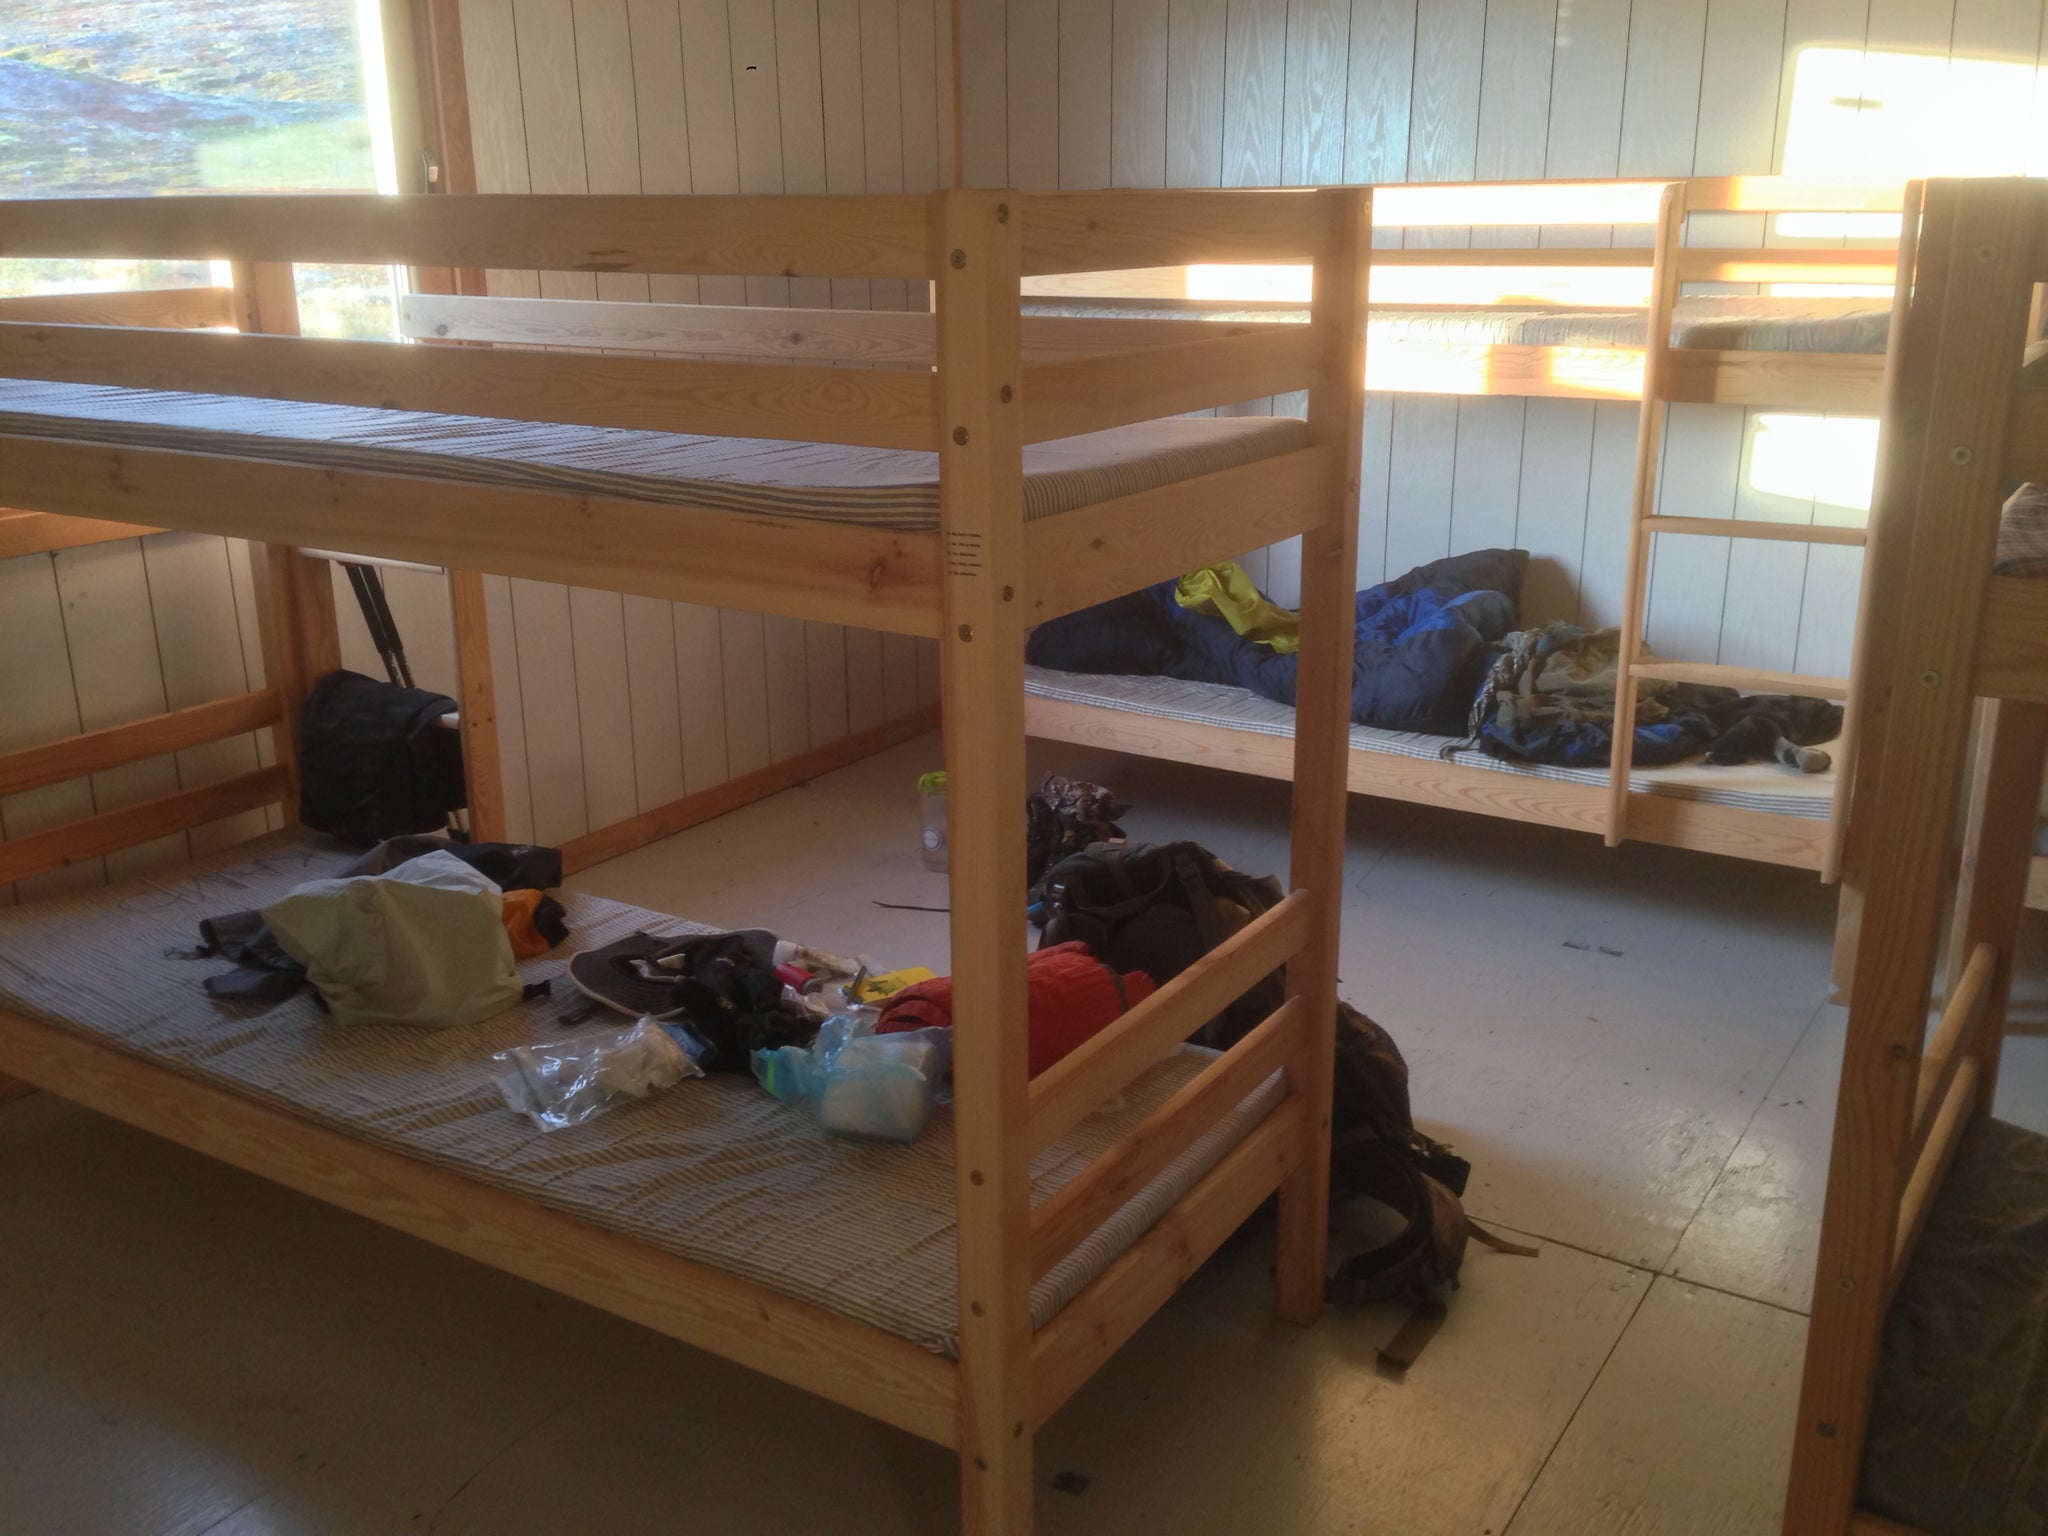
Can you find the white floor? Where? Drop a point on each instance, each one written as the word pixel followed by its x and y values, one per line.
pixel 1633 1047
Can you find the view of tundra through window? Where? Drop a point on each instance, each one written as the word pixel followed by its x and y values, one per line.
pixel 105 98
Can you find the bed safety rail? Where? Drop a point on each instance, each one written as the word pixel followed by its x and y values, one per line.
pixel 208 308
pixel 1068 1092
pixel 1093 1196
pixel 1156 535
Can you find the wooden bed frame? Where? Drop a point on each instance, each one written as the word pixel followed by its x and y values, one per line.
pixel 974 584
pixel 1660 375
pixel 1962 427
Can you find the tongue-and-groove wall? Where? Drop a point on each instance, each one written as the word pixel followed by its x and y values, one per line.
pixel 1089 93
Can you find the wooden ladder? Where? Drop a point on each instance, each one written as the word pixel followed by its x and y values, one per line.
pixel 1634 666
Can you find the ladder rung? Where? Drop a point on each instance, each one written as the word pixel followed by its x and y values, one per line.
pixel 1744 528
pixel 1745 678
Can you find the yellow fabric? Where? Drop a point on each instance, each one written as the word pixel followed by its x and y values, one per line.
pixel 1224 591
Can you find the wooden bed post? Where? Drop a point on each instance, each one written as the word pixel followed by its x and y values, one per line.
pixel 977 258
pixel 1883 588
pixel 1322 736
pixel 294 593
pixel 1664 280
pixel 1941 495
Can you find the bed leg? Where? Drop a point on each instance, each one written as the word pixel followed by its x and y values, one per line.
pixel 1336 417
pixel 976 253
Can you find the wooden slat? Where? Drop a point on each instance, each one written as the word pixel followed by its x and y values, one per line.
pixel 796 236
pixel 176 308
pixel 75 756
pixel 1099 231
pixel 1863 1523
pixel 36 533
pixel 876 336
pixel 1792 194
pixel 111 831
pixel 884 1377
pixel 1848 383
pixel 742 789
pixel 1931 1164
pixel 1619 201
pixel 1068 1092
pixel 849 405
pixel 1090 394
pixel 1095 1325
pixel 1751 679
pixel 1961 1016
pixel 1507 368
pixel 1746 528
pixel 2012 641
pixel 1102 551
pixel 714 330
pixel 1673 821
pixel 878 578
pixel 1089 1199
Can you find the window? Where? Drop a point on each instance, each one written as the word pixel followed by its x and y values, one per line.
pixel 144 97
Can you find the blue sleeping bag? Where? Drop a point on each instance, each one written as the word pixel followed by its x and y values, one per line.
pixel 1424 643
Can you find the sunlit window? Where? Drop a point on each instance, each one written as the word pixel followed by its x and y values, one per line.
pixel 1824 459
pixel 140 97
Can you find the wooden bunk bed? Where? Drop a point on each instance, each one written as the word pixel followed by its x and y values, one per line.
pixel 1920 1399
pixel 124 424
pixel 1664 349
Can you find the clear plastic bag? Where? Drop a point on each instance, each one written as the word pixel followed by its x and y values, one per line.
pixel 565 1082
pixel 859 1083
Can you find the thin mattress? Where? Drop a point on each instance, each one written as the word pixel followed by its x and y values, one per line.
pixel 1745 786
pixel 1732 322
pixel 713 1169
pixel 883 487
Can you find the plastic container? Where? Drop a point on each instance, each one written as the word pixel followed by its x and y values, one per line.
pixel 931 804
pixel 566 1082
pixel 859 1083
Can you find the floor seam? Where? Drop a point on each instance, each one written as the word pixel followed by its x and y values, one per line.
pixel 1653 1270
pixel 1508 1525
pixel 1763 1102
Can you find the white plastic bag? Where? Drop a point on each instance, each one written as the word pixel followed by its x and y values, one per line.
pixel 568 1081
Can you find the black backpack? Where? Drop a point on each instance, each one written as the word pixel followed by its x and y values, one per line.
pixel 1157 908
pixel 375 761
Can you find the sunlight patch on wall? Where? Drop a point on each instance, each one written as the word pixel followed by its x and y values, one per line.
pixel 1856 114
pixel 1826 459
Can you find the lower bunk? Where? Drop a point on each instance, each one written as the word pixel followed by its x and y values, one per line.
pixel 711 1212
pixel 1758 811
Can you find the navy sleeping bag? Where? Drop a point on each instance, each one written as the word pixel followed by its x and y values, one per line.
pixel 1424 642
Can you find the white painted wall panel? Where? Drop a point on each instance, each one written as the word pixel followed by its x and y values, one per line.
pixel 1302 92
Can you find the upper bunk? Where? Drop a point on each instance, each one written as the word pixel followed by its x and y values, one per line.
pixel 1514 288
pixel 803 481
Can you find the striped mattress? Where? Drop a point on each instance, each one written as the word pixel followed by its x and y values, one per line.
pixel 713 1169
pixel 1747 786
pixel 1730 322
pixel 883 487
